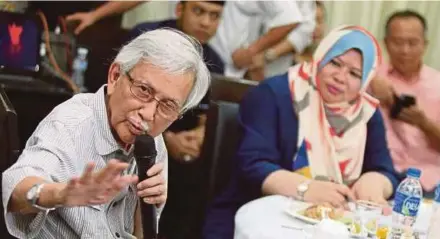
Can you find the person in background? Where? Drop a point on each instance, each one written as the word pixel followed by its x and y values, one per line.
pixel 317 36
pixel 238 39
pixel 414 134
pixel 97 27
pixel 280 57
pixel 184 138
pixel 85 14
pixel 108 9
pixel 298 131
pixel 277 59
pixel 68 183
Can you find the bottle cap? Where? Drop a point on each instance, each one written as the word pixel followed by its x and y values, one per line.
pixel 57 30
pixel 414 172
pixel 42 49
pixel 82 51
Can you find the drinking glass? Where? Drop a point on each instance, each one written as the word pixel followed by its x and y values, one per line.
pixel 365 219
pixel 383 227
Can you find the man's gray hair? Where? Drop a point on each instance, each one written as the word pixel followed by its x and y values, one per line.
pixel 173 51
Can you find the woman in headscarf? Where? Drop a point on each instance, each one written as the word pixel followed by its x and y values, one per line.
pixel 313 134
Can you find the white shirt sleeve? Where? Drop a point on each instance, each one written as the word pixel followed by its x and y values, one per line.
pixel 48 151
pixel 280 13
pixel 301 36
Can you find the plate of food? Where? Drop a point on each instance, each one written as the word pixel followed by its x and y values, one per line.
pixel 315 213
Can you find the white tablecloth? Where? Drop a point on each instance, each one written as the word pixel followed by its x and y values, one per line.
pixel 264 219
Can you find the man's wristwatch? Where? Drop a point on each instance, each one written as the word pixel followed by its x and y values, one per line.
pixel 33 195
pixel 302 189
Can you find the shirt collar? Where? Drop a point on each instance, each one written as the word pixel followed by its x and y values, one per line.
pixel 104 141
pixel 393 72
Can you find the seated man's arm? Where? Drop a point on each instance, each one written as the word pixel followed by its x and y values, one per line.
pixel 415 116
pixel 272 37
pixel 49 196
pixel 280 49
pixel 299 38
pixel 244 57
pixel 50 158
pixel 113 8
pixel 41 161
pixel 107 9
pixel 432 131
pixel 283 17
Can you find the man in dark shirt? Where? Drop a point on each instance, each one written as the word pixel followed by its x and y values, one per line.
pixel 184 137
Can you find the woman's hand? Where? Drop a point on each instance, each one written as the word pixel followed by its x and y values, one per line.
pixel 328 192
pixel 371 187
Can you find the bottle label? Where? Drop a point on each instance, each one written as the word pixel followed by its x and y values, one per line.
pixel 406 205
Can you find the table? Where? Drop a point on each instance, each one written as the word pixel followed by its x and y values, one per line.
pixel 264 218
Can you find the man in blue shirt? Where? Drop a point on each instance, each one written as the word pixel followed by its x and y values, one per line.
pixel 184 137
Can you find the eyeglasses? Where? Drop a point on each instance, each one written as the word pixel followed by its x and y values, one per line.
pixel 168 109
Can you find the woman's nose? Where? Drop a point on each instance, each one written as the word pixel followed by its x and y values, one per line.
pixel 341 76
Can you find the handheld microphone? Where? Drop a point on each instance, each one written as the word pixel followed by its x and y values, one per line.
pixel 145 154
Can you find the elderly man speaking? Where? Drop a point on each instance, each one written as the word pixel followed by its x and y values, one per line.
pixel 67 182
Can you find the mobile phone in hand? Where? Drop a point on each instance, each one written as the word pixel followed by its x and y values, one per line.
pixel 401 102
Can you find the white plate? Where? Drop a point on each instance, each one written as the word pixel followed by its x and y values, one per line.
pixel 297 214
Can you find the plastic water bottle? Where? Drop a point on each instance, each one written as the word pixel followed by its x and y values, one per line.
pixel 79 68
pixel 434 226
pixel 42 50
pixel 407 200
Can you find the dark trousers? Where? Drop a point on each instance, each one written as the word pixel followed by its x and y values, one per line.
pixel 185 204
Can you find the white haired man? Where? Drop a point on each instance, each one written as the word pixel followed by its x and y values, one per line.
pixel 66 183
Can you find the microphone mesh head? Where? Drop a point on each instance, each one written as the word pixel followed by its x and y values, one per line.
pixel 144 146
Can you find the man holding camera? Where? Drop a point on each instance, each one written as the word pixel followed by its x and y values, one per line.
pixel 409 92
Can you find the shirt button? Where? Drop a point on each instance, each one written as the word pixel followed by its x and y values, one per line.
pixel 117 235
